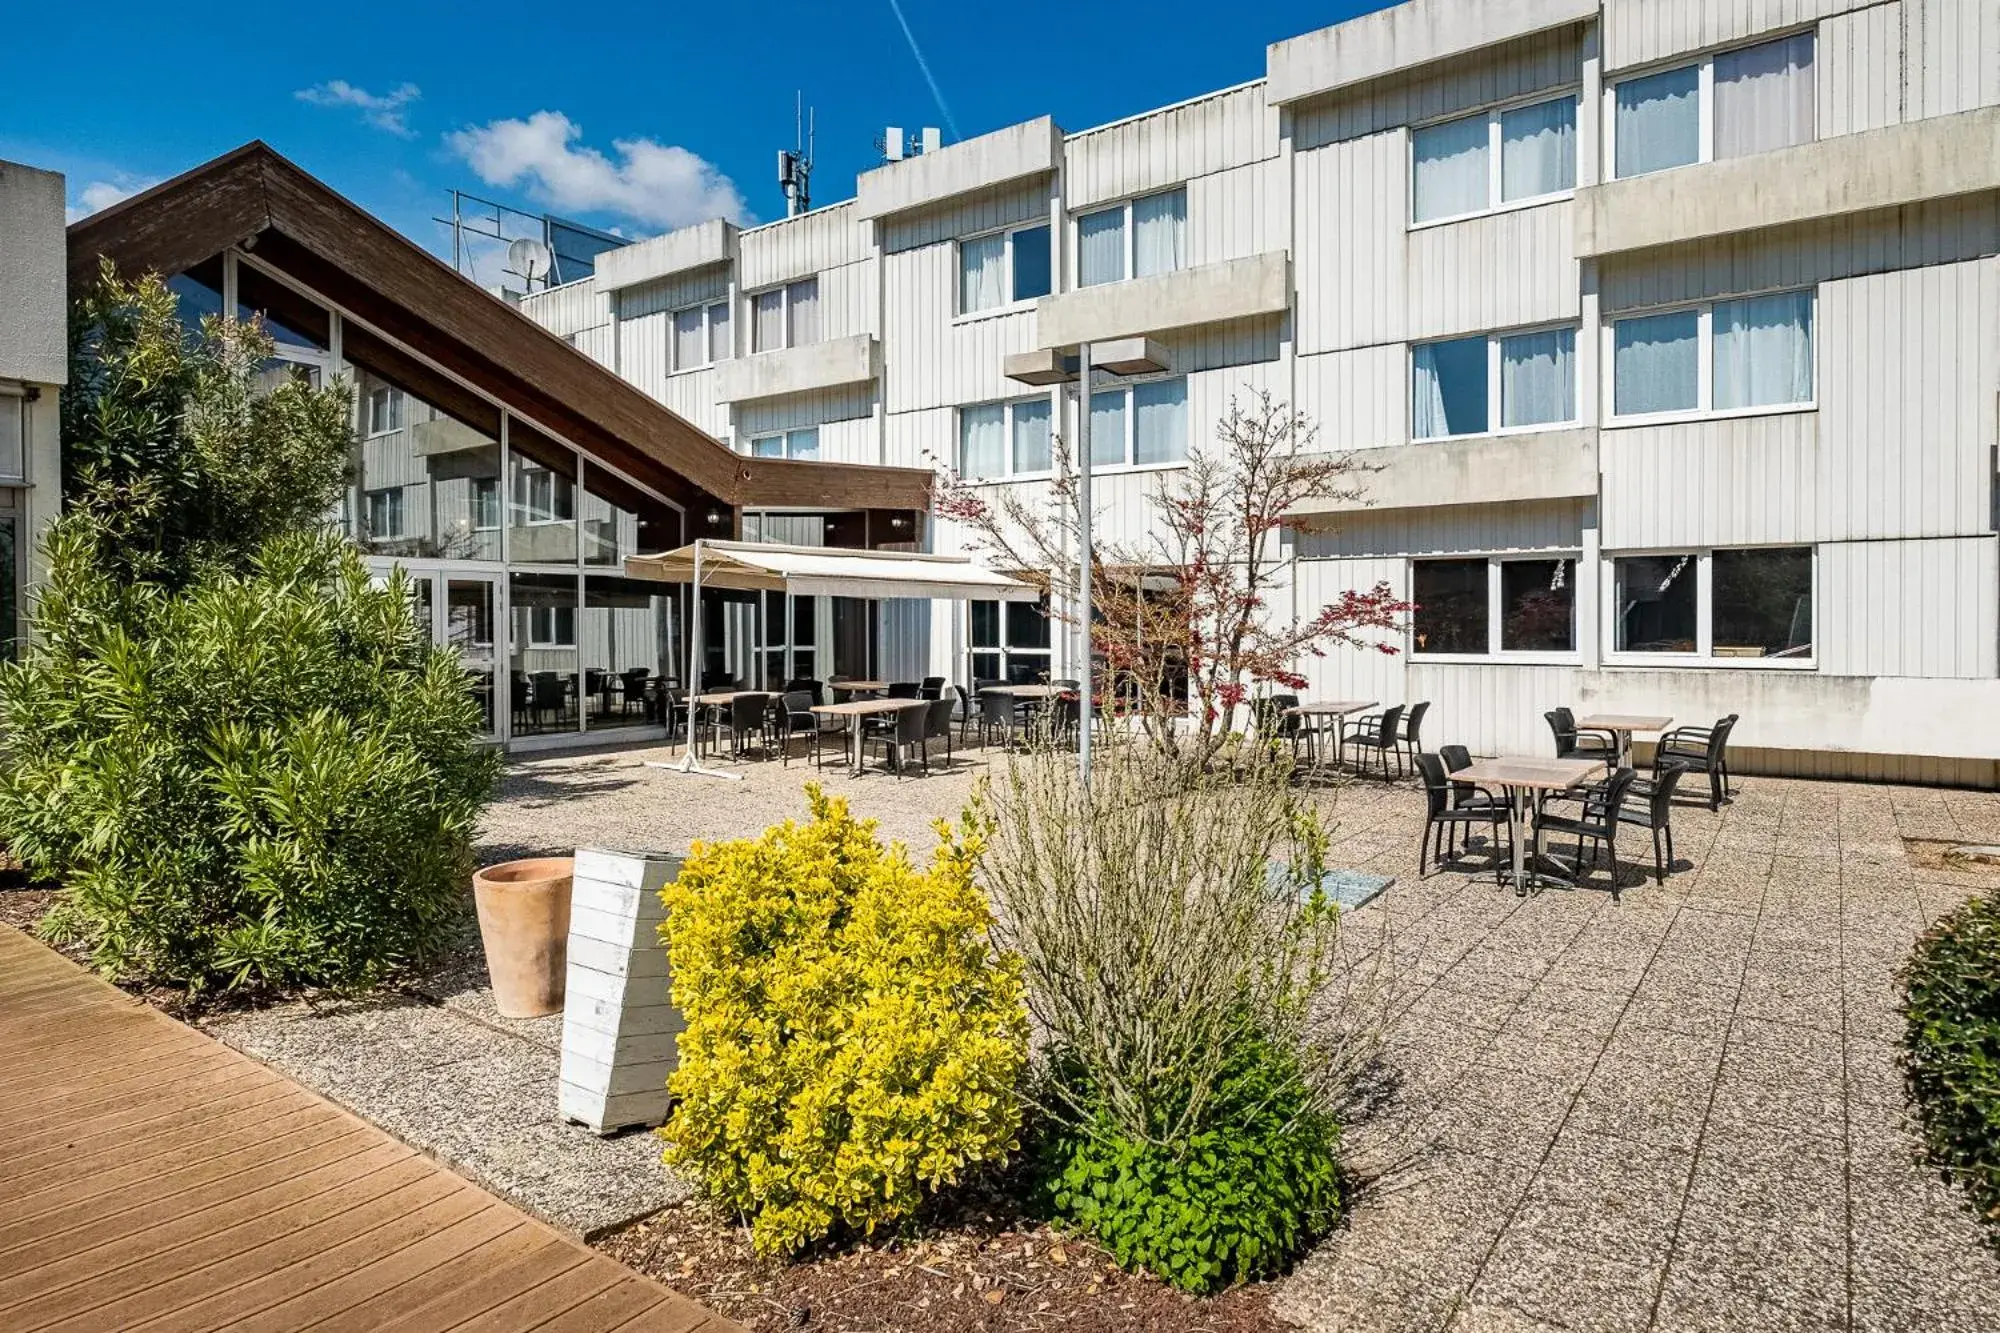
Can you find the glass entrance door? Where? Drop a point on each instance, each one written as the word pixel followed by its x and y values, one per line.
pixel 470 615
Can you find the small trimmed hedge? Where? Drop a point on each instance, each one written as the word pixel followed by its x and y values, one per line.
pixel 1952 1056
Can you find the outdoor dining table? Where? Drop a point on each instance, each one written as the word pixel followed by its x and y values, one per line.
pixel 853 687
pixel 1621 726
pixel 1042 692
pixel 1317 711
pixel 854 711
pixel 1522 778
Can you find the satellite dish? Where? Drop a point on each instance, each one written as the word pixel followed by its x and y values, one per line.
pixel 529 258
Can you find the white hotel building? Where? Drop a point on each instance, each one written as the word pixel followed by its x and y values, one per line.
pixel 1673 329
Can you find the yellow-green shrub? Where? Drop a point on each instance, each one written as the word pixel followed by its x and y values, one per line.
pixel 851 1040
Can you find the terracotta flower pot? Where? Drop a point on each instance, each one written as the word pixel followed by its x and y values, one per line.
pixel 524 926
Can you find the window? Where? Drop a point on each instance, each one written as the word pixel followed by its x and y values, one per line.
pixel 1139 425
pixel 552 626
pixel 1010 642
pixel 785 316
pixel 485 504
pixel 1737 103
pixel 1003 268
pixel 385 410
pixel 384 512
pixel 13 439
pixel 1730 356
pixel 543 496
pixel 701 335
pixel 1478 163
pixel 998 440
pixel 800 443
pixel 1479 607
pixel 1137 239
pixel 1469 386
pixel 1733 605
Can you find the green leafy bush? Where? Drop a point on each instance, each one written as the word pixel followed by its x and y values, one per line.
pixel 1202 1032
pixel 852 1040
pixel 268 777
pixel 1952 1049
pixel 1223 1205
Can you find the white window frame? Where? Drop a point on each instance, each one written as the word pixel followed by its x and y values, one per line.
pixel 1007 427
pixel 1704 364
pixel 1004 649
pixel 553 639
pixel 1494 204
pixel 486 488
pixel 392 498
pixel 1495 609
pixel 787 439
pixel 1704 101
pixel 786 291
pixel 529 513
pixel 1125 387
pixel 1009 306
pixel 709 321
pixel 1704 612
pixel 1131 234
pixel 1493 368
pixel 390 395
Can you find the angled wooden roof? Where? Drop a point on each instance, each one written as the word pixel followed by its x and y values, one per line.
pixel 255 197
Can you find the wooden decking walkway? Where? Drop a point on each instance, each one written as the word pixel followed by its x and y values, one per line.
pixel 151 1178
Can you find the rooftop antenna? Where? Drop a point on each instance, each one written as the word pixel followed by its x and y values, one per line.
pixel 795 164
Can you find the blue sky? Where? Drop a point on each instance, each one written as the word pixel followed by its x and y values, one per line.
pixel 677 119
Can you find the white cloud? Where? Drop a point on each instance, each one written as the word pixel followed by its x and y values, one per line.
pixel 385 111
pixel 101 194
pixel 659 185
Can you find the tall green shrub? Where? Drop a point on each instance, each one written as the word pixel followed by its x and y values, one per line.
pixel 852 1040
pixel 1952 1050
pixel 268 777
pixel 1186 970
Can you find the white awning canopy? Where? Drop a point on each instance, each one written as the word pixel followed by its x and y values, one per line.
pixel 832 571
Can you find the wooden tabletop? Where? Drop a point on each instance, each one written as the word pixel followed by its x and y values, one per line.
pixel 1544 774
pixel 1625 722
pixel 859 707
pixel 859 686
pixel 1027 691
pixel 1334 708
pixel 725 696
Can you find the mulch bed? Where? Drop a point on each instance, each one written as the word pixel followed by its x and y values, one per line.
pixel 974 1271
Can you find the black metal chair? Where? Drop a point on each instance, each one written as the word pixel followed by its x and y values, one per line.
pixel 937 726
pixel 794 717
pixel 903 689
pixel 896 739
pixel 673 704
pixel 1443 816
pixel 1381 733
pixel 632 688
pixel 1597 822
pixel 747 718
pixel 1466 795
pixel 968 712
pixel 932 687
pixel 1573 742
pixel 996 712
pixel 1657 813
pixel 1698 750
pixel 546 694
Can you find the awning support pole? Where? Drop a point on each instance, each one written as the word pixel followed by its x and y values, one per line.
pixel 688 763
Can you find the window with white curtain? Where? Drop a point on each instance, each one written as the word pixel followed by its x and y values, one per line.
pixel 1729 356
pixel 1749 100
pixel 701 335
pixel 1003 268
pixel 800 443
pixel 1139 239
pixel 1140 424
pixel 1001 440
pixel 1509 155
pixel 785 316
pixel 1506 381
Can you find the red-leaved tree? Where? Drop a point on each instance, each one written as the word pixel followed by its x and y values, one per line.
pixel 1185 624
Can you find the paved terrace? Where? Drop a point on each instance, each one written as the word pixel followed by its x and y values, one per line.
pixel 1679 1111
pixel 153 1179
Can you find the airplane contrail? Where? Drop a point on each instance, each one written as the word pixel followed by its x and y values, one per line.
pixel 925 66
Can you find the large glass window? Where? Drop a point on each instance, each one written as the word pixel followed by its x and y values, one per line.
pixel 628 651
pixel 1139 424
pixel 300 329
pixel 1010 642
pixel 1732 604
pixel 541 505
pixel 427 480
pixel 1002 268
pixel 1465 386
pixel 1476 163
pixel 1750 100
pixel 1143 237
pixel 1748 353
pixel 1497 605
pixel 542 653
pixel 1000 440
pixel 1451 614
pixel 620 520
pixel 1657 603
